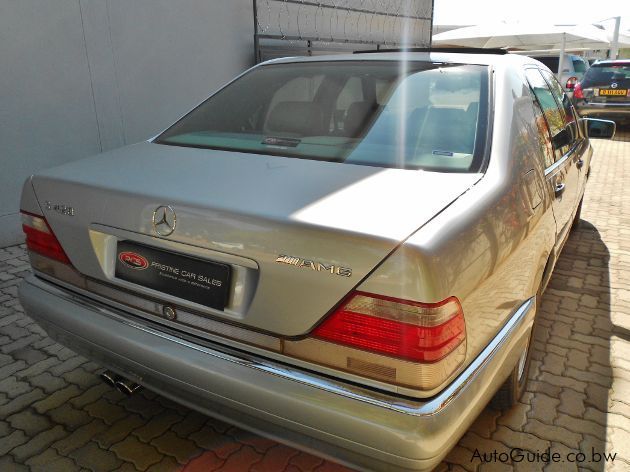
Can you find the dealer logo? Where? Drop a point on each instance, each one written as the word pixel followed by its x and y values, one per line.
pixel 133 260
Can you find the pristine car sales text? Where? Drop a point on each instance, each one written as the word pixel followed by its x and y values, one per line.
pixel 184 273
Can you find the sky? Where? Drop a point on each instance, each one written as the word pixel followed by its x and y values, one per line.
pixel 471 12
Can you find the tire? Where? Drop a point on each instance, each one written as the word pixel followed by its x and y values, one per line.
pixel 514 387
pixel 578 214
pixel 512 390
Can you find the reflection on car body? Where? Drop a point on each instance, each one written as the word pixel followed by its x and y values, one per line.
pixel 347 255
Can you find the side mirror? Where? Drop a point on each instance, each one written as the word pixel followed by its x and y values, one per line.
pixel 596 128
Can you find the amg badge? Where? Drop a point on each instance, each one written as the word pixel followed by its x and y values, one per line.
pixel 314 265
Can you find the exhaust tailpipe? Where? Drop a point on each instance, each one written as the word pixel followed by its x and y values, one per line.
pixel 120 383
pixel 126 386
pixel 109 378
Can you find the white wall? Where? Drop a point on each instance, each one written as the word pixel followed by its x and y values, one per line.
pixel 81 76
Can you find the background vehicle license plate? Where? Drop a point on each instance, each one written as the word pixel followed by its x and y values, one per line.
pixel 196 280
pixel 615 92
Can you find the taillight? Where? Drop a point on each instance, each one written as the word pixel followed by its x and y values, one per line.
pixel 41 239
pixel 418 332
pixel 578 92
pixel 570 85
pixel 404 343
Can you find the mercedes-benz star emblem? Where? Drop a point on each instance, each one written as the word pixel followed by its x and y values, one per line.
pixel 164 220
pixel 613 85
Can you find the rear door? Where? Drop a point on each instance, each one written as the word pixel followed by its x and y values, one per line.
pixel 563 174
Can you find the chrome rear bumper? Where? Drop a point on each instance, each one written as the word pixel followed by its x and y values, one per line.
pixel 360 427
pixel 594 110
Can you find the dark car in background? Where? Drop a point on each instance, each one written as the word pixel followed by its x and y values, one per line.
pixel 604 91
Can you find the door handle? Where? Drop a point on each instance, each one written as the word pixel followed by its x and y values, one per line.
pixel 580 163
pixel 559 189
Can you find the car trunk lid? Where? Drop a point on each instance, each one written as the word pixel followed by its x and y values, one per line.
pixel 246 211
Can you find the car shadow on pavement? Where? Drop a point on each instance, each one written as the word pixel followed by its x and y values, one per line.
pixel 565 409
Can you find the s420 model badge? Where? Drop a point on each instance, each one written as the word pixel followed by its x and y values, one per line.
pixel 59 208
pixel 314 265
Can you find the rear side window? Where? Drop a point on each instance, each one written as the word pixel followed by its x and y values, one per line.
pixel 544 138
pixel 552 113
pixel 416 115
pixel 565 104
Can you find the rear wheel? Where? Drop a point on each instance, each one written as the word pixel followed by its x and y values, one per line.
pixel 514 387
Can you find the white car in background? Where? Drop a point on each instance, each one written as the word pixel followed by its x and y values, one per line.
pixel 573 70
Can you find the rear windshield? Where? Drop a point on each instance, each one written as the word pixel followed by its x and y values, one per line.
pixel 579 66
pixel 416 115
pixel 606 74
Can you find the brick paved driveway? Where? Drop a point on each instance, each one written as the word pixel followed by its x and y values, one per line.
pixel 56 415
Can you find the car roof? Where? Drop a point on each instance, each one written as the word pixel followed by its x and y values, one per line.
pixel 445 57
pixel 555 55
pixel 611 61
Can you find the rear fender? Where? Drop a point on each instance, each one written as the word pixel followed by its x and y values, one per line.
pixel 29 202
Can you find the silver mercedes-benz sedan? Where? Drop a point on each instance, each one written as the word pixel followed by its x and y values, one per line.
pixel 341 253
